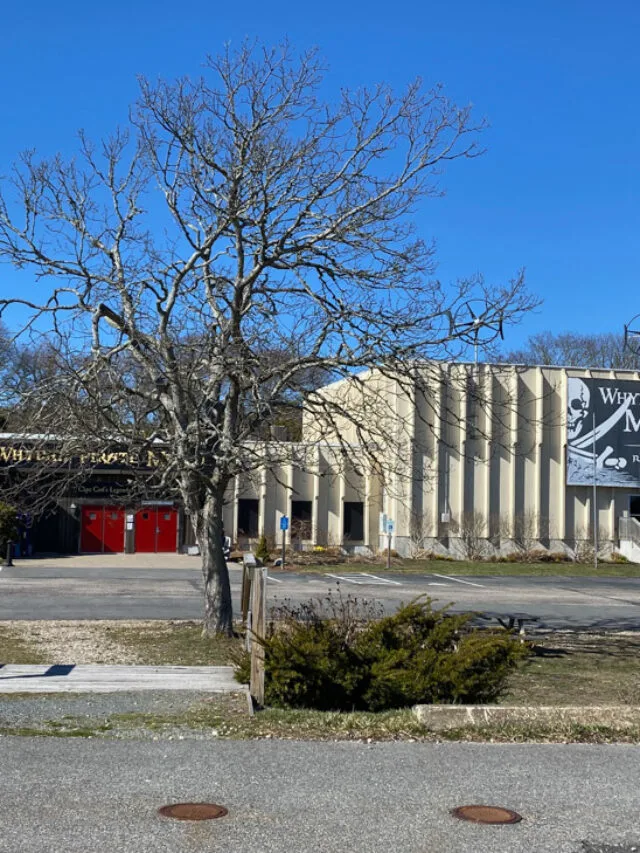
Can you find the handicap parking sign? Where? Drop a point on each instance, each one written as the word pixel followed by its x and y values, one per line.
pixel 284 523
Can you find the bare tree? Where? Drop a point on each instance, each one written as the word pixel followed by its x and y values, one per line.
pixel 572 349
pixel 237 214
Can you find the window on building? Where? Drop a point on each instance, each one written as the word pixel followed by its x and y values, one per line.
pixel 353 523
pixel 301 519
pixel 248 514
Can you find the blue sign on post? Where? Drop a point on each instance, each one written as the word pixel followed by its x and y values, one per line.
pixel 284 523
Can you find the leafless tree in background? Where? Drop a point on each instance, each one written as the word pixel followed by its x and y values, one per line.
pixel 573 349
pixel 237 215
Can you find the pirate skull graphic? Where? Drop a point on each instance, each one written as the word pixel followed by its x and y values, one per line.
pixel 579 398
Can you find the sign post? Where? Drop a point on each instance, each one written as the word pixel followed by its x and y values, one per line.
pixel 284 526
pixel 390 528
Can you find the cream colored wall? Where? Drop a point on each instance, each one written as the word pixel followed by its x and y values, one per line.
pixel 497 452
pixel 502 458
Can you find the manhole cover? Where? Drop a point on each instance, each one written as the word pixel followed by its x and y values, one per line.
pixel 486 814
pixel 193 811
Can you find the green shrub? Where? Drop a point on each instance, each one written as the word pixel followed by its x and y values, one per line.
pixel 262 550
pixel 8 527
pixel 340 661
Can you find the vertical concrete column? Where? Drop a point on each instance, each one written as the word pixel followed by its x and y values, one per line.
pixel 289 497
pixel 234 510
pixel 463 415
pixel 342 492
pixel 262 507
pixel 539 436
pixel 488 438
pixel 316 495
pixel 514 405
pixel 562 490
pixel 437 401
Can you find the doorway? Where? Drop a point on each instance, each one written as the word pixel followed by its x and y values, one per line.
pixel 156 530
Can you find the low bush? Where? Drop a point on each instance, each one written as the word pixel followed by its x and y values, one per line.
pixel 617 557
pixel 343 661
pixel 535 556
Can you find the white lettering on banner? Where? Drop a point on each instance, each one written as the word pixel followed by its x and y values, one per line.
pixel 616 397
pixel 631 424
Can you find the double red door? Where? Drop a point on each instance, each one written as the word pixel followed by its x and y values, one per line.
pixel 102 529
pixel 156 529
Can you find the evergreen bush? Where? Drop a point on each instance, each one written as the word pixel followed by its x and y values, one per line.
pixel 262 550
pixel 340 661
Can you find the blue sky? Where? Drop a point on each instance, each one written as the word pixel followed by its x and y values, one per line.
pixel 555 193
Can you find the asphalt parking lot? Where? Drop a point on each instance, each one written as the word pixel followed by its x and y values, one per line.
pixel 171 588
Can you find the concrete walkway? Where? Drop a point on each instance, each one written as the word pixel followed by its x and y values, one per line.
pixel 112 561
pixel 92 678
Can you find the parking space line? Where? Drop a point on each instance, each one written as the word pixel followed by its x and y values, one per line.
pixel 381 580
pixel 457 580
pixel 275 580
pixel 346 580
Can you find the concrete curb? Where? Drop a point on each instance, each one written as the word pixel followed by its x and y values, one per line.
pixel 439 718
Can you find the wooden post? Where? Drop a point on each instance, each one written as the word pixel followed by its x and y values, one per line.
pixel 245 596
pixel 249 564
pixel 258 628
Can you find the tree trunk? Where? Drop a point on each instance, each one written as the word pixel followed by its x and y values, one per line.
pixel 218 608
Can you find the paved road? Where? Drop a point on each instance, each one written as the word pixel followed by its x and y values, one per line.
pixel 79 795
pixel 62 590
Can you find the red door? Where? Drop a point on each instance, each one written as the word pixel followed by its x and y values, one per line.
pixel 113 537
pixel 146 530
pixel 102 530
pixel 167 529
pixel 91 529
pixel 156 529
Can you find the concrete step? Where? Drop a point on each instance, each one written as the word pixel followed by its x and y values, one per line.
pixel 94 678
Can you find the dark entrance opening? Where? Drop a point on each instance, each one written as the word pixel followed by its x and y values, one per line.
pixel 301 519
pixel 353 521
pixel 634 506
pixel 248 515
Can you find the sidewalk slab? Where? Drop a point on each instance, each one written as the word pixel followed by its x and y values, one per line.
pixel 93 678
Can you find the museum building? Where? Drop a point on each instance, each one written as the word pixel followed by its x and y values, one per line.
pixel 483 457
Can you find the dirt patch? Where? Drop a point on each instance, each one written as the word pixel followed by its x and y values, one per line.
pixel 146 642
pixel 76 641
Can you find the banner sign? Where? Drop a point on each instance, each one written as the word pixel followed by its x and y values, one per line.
pixel 15 455
pixel 614 443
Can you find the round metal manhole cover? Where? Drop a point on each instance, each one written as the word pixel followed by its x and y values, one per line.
pixel 486 814
pixel 193 811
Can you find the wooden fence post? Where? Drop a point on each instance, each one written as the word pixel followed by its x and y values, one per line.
pixel 258 627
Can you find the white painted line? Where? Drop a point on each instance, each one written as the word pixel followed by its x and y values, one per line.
pixel 275 580
pixel 457 580
pixel 435 583
pixel 381 580
pixel 346 580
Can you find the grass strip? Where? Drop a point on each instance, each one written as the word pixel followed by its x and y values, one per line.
pixel 15 648
pixel 467 568
pixel 175 643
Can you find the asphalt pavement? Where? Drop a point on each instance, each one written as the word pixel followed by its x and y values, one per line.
pixel 77 795
pixel 67 589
